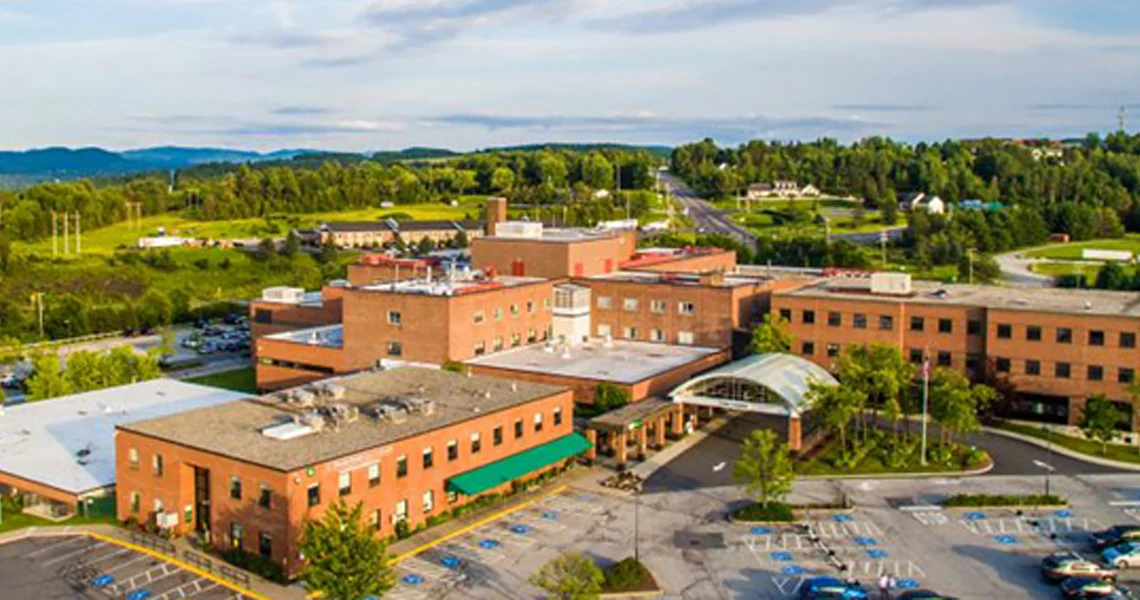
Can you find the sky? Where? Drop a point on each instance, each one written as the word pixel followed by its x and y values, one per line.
pixel 360 75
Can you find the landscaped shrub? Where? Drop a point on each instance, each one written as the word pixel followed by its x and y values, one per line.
pixel 776 511
pixel 256 564
pixel 976 500
pixel 627 574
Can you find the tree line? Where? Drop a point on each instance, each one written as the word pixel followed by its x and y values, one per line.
pixel 529 177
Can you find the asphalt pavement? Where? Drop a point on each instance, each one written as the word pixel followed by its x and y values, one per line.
pixel 709 463
pixel 706 216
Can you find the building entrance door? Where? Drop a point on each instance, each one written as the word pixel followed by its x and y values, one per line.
pixel 201 500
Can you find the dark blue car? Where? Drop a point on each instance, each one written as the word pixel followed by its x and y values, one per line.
pixel 819 588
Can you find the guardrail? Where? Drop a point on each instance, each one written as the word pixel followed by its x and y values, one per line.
pixel 190 557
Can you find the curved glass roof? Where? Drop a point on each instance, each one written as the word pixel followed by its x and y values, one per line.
pixel 764 382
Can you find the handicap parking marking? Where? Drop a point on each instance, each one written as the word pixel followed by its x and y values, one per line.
pixel 875 568
pixel 907 584
pixel 866 541
pixel 782 556
pixel 931 518
pixel 1063 513
pixel 974 515
pixel 1007 540
pixel 758 530
pixel 843 518
pixel 792 570
pixel 877 553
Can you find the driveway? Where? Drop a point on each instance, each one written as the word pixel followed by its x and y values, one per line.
pixel 1015 269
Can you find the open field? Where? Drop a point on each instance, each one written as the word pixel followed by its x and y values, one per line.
pixel 1072 251
pixel 238 380
pixel 106 240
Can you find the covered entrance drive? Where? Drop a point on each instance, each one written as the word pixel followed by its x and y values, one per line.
pixel 769 384
pixel 642 425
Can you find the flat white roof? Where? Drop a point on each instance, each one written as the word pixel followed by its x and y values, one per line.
pixel 68 443
pixel 327 336
pixel 623 361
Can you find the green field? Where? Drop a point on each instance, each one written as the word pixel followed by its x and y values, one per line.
pixel 1072 251
pixel 107 239
pixel 1060 269
pixel 238 380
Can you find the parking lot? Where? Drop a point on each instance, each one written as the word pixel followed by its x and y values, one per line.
pixel 78 566
pixel 696 553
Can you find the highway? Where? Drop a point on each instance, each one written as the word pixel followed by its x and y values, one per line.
pixel 708 218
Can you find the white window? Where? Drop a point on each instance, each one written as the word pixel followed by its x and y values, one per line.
pixel 514 310
pixel 656 335
pixel 516 339
pixel 605 302
pixel 133 456
pixel 158 505
pixel 530 306
pixel 429 501
pixel 497 344
pixel 603 330
pixel 498 313
pixel 629 333
pixel 394 317
pixel 685 338
pixel 538 422
pixel 374 474
pixel 657 306
pixel 401 511
pixel 629 304
pixel 686 308
pixel 344 483
pixel 480 348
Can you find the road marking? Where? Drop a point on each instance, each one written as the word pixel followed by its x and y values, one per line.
pixel 931 519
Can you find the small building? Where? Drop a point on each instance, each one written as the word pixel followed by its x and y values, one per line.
pixel 369 234
pixel 59 453
pixel 781 189
pixel 922 202
pixel 407 443
pixel 975 204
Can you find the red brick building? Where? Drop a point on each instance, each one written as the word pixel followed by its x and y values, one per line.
pixel 1055 347
pixel 408 443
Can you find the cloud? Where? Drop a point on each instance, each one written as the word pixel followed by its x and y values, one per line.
pixel 301 110
pixel 885 108
pixel 1064 106
pixel 336 62
pixel 427 22
pixel 728 129
pixel 696 15
pixel 352 127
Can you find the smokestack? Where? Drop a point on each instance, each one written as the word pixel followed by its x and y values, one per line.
pixel 496 213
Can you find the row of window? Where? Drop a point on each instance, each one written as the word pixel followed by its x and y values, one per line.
pixel 1064 335
pixel 480 316
pixel 1064 370
pixel 497 344
pixel 659 307
pixel 684 338
pixel 885 322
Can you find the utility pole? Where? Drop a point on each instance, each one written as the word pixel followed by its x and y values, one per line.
pixel 78 239
pixel 54 236
pixel 66 238
pixel 925 401
pixel 883 246
pixel 38 300
pixel 970 259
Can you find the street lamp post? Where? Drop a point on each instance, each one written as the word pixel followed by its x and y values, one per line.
pixel 1048 468
pixel 637 519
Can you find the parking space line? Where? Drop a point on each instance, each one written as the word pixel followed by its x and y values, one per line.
pixel 69 540
pixel 70 554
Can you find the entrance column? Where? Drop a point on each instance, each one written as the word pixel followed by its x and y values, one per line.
pixel 694 417
pixel 677 418
pixel 659 429
pixel 642 439
pixel 619 441
pixel 592 451
pixel 795 433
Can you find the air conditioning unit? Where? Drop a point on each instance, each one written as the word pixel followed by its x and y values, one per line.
pixel 166 520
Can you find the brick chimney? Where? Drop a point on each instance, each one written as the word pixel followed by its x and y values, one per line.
pixel 496 213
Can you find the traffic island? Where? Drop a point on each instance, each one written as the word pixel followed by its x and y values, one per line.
pixel 629 578
pixel 1005 501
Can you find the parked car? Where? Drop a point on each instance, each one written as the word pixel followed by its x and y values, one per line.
pixel 1115 535
pixel 1122 556
pixel 1081 587
pixel 233 319
pixel 819 588
pixel 12 381
pixel 1057 567
pixel 923 595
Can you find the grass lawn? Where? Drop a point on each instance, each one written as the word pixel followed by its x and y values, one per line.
pixel 824 463
pixel 1072 251
pixel 1120 452
pixel 106 239
pixel 20 521
pixel 238 380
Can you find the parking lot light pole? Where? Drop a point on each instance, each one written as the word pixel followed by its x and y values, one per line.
pixel 1048 468
pixel 925 402
pixel 636 520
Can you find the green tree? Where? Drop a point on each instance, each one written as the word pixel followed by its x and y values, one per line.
pixel 329 252
pixel 292 244
pixel 955 404
pixel 344 560
pixel 608 396
pixel 771 336
pixel 881 374
pixel 1112 276
pixel 834 407
pixel 266 249
pixel 1099 420
pixel 765 467
pixel 502 180
pixel 461 240
pixel 570 576
pixel 47 379
pixel 425 246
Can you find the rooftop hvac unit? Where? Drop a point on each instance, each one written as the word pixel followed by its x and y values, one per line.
pixel 892 284
pixel 302 397
pixel 331 390
pixel 311 419
pixel 289 295
pixel 343 413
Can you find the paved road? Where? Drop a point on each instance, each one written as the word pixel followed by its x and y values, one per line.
pixel 1015 269
pixel 707 217
pixel 709 463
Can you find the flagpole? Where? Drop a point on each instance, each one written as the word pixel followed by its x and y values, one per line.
pixel 925 395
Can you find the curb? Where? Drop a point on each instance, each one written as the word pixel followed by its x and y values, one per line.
pixel 1063 451
pixel 931 475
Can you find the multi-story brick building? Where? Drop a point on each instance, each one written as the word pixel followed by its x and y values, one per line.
pixel 1054 347
pixel 419 320
pixel 282 309
pixel 407 443
pixel 529 249
pixel 370 234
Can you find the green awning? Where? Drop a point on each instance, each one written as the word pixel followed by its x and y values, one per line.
pixel 477 481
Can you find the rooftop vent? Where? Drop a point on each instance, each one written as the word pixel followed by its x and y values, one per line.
pixel 891 284
pixel 288 431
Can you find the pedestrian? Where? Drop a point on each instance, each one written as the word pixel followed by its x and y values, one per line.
pixel 884 587
pixel 892 585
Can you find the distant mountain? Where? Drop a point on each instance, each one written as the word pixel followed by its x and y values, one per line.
pixel 66 163
pixel 177 157
pixel 664 151
pixel 413 153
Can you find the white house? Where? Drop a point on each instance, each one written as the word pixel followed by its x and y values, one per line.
pixel 921 201
pixel 781 189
